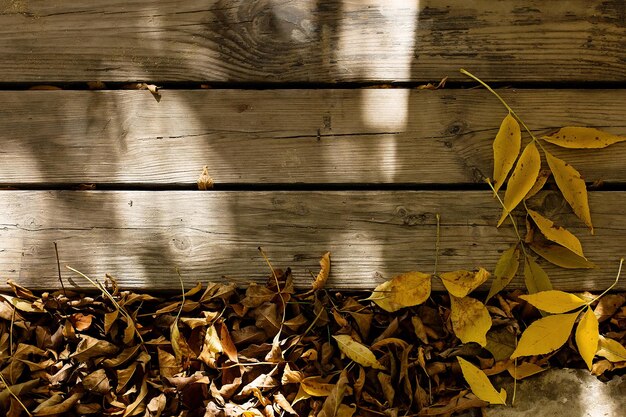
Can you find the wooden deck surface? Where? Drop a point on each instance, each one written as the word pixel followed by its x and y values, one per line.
pixel 307 115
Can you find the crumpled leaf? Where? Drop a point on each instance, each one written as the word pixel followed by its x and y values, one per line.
pixel 572 185
pixel 535 277
pixel 582 138
pixel 611 349
pixel 557 234
pixel 505 271
pixel 545 335
pixel 470 320
pixel 205 182
pixel 97 382
pixel 57 405
pixel 522 180
pixel 553 301
pixel 406 290
pixel 357 351
pixel 506 147
pixel 561 256
pixel 479 383
pixel 322 276
pixel 588 336
pixel 461 283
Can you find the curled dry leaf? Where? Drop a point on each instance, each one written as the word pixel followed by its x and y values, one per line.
pixel 461 283
pixel 582 138
pixel 560 256
pixel 553 301
pixel 90 347
pixel 506 147
pixel 322 276
pixel 357 352
pixel 470 320
pixel 205 182
pixel 522 180
pixel 331 405
pixel 572 185
pixel 405 290
pixel 557 234
pixel 545 335
pixel 506 268
pixel 479 383
pixel 587 337
pixel 535 277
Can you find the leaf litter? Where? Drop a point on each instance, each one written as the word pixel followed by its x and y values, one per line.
pixel 271 350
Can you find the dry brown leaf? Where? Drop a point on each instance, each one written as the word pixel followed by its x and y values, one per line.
pixel 334 399
pixel 90 347
pixel 322 276
pixel 205 182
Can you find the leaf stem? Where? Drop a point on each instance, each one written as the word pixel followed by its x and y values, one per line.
pixel 13 395
pixel 519 237
pixel 619 272
pixel 438 217
pixel 492 91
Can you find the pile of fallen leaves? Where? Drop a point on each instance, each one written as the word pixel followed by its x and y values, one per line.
pixel 266 350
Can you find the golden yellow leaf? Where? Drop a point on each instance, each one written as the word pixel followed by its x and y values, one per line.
pixel 506 268
pixel 544 174
pixel 611 349
pixel 506 147
pixel 535 277
pixel 479 383
pixel 316 386
pixel 560 256
pixel 470 320
pixel 557 234
pixel 322 276
pixel 405 290
pixel 572 186
pixel 553 301
pixel 524 369
pixel 582 138
pixel 545 335
pixel 522 180
pixel 357 352
pixel 461 283
pixel 587 337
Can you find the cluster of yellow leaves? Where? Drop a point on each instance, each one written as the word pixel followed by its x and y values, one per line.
pixel 526 180
pixel 551 332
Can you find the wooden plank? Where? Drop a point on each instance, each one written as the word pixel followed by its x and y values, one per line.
pixel 311 41
pixel 385 136
pixel 142 237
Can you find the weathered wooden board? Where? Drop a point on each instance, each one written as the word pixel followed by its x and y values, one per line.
pixel 318 41
pixel 142 237
pixel 387 136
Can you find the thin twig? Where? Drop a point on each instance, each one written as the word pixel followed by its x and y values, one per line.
pixel 438 217
pixel 56 251
pixel 13 395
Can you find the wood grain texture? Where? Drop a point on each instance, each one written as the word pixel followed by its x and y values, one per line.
pixel 311 41
pixel 142 237
pixel 385 136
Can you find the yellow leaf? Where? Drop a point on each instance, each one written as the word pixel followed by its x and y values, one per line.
pixel 544 174
pixel 557 234
pixel 587 337
pixel 506 268
pixel 461 283
pixel 535 277
pixel 357 352
pixel 560 256
pixel 524 370
pixel 583 138
pixel 553 301
pixel 479 383
pixel 316 386
pixel 506 147
pixel 545 335
pixel 322 276
pixel 405 290
pixel 470 320
pixel 611 350
pixel 572 186
pixel 522 180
